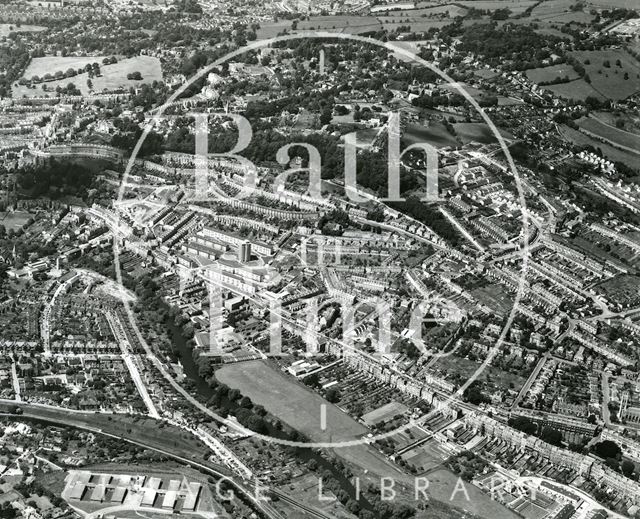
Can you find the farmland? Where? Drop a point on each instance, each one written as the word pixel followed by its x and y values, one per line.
pixel 112 76
pixel 607 77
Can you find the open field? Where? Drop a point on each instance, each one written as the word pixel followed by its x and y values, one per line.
pixel 515 6
pixel 619 137
pixel 299 407
pixel 417 25
pixel 559 12
pixel 15 220
pixel 435 134
pixel 8 28
pixel 477 132
pixel 629 122
pixel 610 152
pixel 609 81
pixel 290 401
pixel 476 93
pixel 272 29
pixel 51 64
pixel 578 90
pixel 351 24
pixel 442 485
pixel 452 10
pixel 305 488
pixel 112 76
pixel 538 75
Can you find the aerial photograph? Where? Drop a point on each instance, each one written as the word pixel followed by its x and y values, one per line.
pixel 320 259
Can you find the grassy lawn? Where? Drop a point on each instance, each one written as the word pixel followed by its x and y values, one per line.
pixel 15 220
pixel 299 407
pixel 538 75
pixel 442 484
pixel 51 64
pixel 435 134
pixel 290 401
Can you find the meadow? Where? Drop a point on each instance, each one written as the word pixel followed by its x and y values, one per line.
pixel 578 90
pixel 112 76
pixel 51 64
pixel 609 81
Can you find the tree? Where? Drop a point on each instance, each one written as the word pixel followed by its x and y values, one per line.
pixel 333 395
pixel 628 468
pixel 524 424
pixel 607 449
pixel 550 435
pixel 89 84
pixel 325 116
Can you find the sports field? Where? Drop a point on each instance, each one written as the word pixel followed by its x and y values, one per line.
pixel 300 408
pixel 15 220
pixel 290 400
